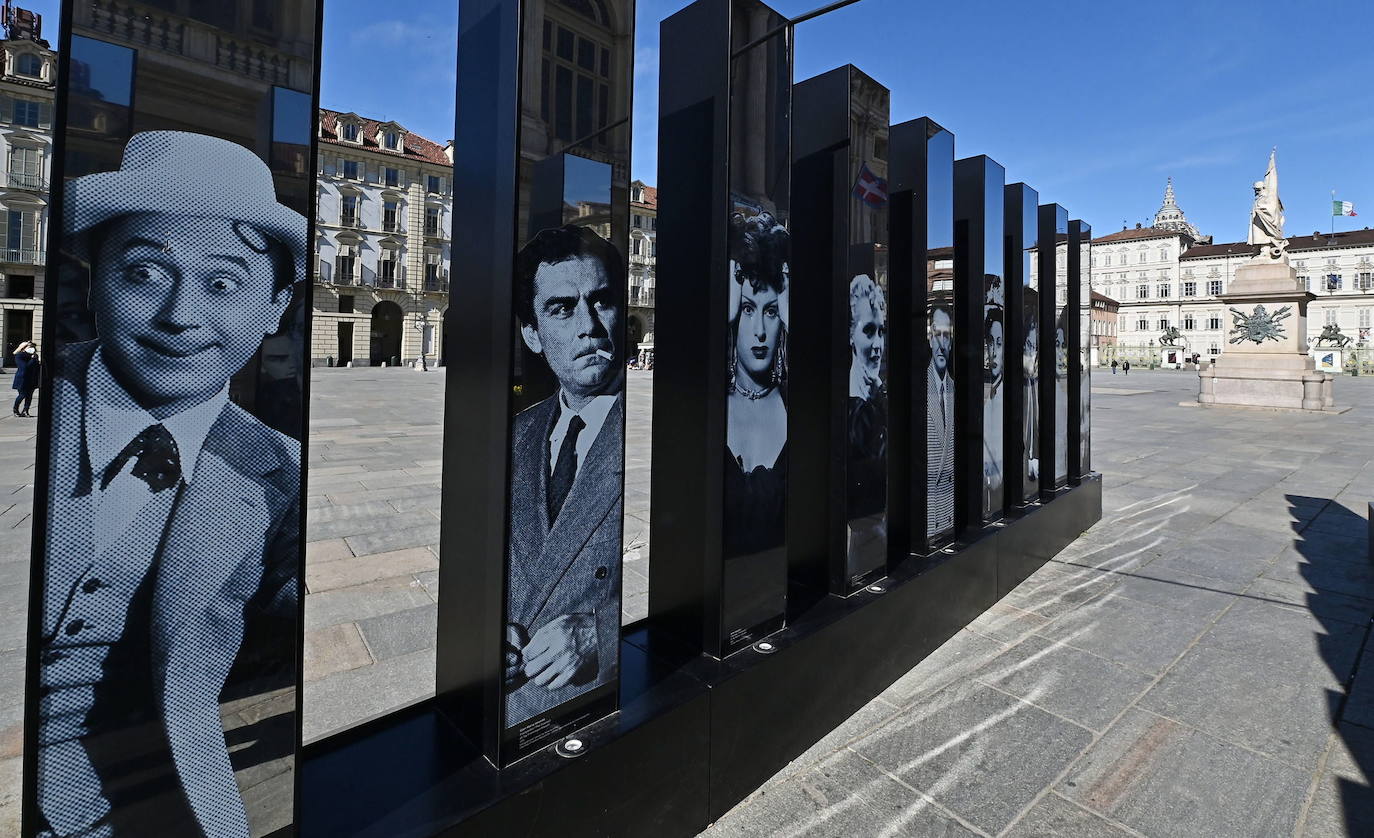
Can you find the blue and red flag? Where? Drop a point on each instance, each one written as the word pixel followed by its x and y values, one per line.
pixel 870 188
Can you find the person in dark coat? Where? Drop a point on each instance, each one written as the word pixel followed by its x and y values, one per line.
pixel 26 376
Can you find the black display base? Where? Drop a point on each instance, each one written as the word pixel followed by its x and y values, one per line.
pixel 695 735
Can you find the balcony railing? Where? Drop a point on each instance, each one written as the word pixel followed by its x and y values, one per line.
pixel 25 256
pixel 391 227
pixel 434 232
pixel 351 221
pixel 390 282
pixel 438 285
pixel 23 180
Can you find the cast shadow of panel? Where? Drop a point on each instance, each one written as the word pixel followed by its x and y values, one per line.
pixel 1337 564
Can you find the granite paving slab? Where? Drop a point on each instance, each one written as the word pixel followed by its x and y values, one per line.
pixel 979 752
pixel 1163 778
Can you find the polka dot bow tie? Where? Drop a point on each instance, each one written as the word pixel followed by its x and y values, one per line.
pixel 158 463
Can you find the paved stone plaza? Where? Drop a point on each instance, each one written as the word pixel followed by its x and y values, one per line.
pixel 1175 672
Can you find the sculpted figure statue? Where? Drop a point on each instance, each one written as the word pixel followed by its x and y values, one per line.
pixel 1266 217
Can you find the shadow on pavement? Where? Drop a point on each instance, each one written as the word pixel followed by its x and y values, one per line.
pixel 1337 560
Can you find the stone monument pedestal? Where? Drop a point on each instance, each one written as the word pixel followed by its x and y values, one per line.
pixel 1270 366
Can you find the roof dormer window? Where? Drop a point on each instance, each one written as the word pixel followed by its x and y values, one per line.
pixel 350 132
pixel 28 64
pixel 392 140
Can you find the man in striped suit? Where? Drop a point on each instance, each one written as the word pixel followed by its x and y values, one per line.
pixel 940 427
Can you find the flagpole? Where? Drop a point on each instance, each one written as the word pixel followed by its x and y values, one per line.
pixel 1333 215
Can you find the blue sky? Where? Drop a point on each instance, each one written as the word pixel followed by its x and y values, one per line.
pixel 1092 103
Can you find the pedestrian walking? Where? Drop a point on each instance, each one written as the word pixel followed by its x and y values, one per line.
pixel 1126 368
pixel 26 375
pixel 1114 366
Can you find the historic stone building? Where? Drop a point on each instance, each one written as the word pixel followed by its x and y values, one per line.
pixel 643 254
pixel 1168 275
pixel 382 217
pixel 1104 326
pixel 27 88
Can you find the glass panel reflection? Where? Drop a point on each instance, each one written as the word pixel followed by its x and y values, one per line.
pixel 755 460
pixel 171 570
pixel 565 515
pixel 940 337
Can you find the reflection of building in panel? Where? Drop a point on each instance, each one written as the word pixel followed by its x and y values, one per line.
pixel 1104 326
pixel 382 253
pixel 643 256
pixel 759 170
pixel 26 106
pixel 574 102
pixel 868 119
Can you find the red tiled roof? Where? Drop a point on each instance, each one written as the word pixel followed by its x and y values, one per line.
pixel 1319 241
pixel 416 147
pixel 1138 233
pixel 1096 297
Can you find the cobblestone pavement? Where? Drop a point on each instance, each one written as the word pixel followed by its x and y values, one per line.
pixel 373 535
pixel 1185 668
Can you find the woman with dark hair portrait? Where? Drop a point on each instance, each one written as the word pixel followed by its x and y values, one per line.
pixel 756 434
pixel 1030 388
pixel 867 421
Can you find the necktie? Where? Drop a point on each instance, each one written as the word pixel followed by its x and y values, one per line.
pixel 158 462
pixel 565 469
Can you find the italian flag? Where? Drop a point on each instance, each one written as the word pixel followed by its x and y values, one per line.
pixel 1342 208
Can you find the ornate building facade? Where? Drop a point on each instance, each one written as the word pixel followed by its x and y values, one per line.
pixel 1168 276
pixel 643 255
pixel 27 89
pixel 382 217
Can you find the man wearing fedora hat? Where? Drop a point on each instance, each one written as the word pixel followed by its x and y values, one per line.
pixel 173 514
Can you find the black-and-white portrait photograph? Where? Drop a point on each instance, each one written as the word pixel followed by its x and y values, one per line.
pixel 940 419
pixel 1030 393
pixel 866 429
pixel 755 486
pixel 1061 401
pixel 170 573
pixel 567 462
pixel 994 372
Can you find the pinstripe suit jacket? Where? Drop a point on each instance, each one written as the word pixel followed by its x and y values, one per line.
pixel 571 565
pixel 939 454
pixel 231 540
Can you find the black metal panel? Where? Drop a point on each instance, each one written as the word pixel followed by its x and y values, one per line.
pixel 534 426
pixel 1074 348
pixel 1051 251
pixel 165 611
pixel 1082 280
pixel 718 579
pixel 412 774
pixel 979 342
pixel 1022 320
pixel 837 418
pixel 928 160
pixel 695 735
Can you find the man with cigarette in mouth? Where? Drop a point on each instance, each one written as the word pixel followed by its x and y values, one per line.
pixel 567 456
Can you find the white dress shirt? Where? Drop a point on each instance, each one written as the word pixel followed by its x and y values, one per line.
pixel 112 421
pixel 593 414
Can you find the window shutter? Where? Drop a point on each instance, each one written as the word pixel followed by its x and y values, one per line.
pixel 4 229
pixel 44 115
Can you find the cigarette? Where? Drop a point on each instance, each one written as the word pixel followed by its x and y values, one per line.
pixel 604 354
